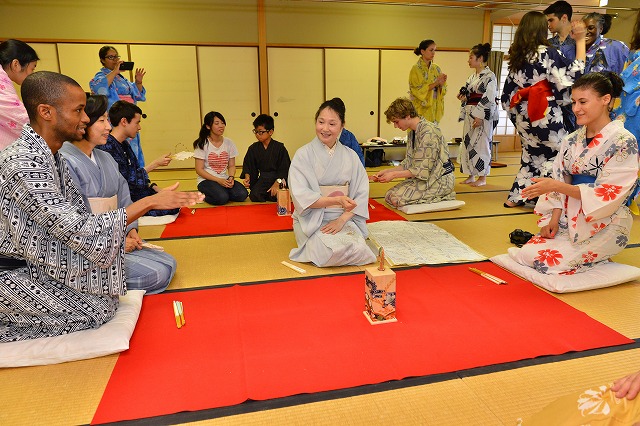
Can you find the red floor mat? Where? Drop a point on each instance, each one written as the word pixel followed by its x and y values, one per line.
pixel 279 339
pixel 229 220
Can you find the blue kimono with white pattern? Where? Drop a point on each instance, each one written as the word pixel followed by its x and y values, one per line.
pixel 628 110
pixel 606 55
pixel 540 139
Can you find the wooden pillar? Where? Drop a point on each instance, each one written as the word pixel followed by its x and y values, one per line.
pixel 486 27
pixel 263 65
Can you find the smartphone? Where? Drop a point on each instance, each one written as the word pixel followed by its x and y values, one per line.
pixel 126 66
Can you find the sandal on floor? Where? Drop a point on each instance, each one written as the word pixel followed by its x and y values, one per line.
pixel 518 204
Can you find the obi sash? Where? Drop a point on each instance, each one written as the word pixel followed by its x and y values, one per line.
pixel 473 98
pixel 578 179
pixel 632 196
pixel 101 205
pixel 448 168
pixel 334 191
pixel 127 98
pixel 537 97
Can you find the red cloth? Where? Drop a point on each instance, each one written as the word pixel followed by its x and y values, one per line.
pixel 279 339
pixel 474 98
pixel 537 97
pixel 245 219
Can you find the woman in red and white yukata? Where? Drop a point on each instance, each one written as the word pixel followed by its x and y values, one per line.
pixel 585 219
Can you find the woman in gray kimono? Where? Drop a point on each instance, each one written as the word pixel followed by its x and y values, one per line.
pixel 330 192
pixel 102 186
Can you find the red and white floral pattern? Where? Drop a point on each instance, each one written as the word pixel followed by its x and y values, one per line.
pixel 596 226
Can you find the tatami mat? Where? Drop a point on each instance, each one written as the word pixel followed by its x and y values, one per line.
pixel 69 393
pixel 234 259
pixel 616 306
pixel 61 394
pixel 524 391
pixel 446 403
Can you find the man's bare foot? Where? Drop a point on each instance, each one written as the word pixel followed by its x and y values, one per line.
pixel 468 180
pixel 482 181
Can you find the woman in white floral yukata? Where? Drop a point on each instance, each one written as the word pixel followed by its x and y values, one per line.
pixel 585 219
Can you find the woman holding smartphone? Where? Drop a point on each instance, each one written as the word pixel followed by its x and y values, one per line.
pixel 110 82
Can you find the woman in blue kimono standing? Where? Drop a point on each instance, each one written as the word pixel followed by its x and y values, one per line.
pixel 538 84
pixel 110 82
pixel 603 54
pixel 628 110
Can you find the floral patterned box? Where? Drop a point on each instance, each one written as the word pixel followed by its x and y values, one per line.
pixel 284 202
pixel 380 295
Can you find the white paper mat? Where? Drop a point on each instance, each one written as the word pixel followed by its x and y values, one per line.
pixel 416 243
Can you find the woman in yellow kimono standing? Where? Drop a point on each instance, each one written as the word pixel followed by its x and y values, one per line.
pixel 427 83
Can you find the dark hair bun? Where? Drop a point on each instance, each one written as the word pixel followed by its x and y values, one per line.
pixel 606 25
pixel 616 82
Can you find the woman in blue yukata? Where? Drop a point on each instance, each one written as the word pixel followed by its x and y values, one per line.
pixel 110 82
pixel 630 99
pixel 537 86
pixel 603 54
pixel 103 188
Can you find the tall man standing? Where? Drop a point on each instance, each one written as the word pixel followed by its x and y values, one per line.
pixel 559 22
pixel 75 260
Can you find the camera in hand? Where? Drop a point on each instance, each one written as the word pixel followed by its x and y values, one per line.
pixel 463 91
pixel 126 66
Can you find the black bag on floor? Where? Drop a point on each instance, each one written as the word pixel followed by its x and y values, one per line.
pixel 520 237
pixel 374 158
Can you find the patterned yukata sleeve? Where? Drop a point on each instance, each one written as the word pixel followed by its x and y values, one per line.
pixel 137 95
pixel 486 104
pixel 418 87
pixel 137 177
pixel 554 200
pixel 99 85
pixel 96 237
pixel 561 73
pixel 443 88
pixel 124 200
pixel 509 89
pixel 12 113
pixel 425 159
pixel 615 181
pixel 616 54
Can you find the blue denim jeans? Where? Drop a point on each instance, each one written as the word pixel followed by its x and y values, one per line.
pixel 216 194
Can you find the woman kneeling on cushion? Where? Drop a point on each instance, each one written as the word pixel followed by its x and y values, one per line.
pixel 330 190
pixel 426 166
pixel 585 218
